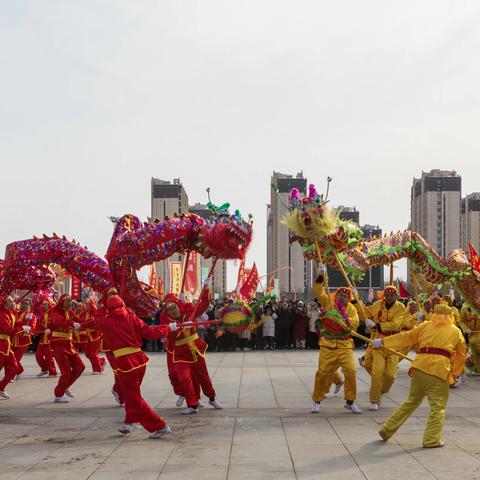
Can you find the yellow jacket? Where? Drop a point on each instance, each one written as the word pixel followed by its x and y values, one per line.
pixel 470 320
pixel 440 333
pixel 327 303
pixel 409 320
pixel 390 320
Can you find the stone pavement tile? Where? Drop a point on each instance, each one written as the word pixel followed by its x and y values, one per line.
pixel 326 463
pixel 259 470
pixel 317 431
pixel 208 470
pixel 447 462
pixel 380 461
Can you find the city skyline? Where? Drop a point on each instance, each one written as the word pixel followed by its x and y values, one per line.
pixel 103 97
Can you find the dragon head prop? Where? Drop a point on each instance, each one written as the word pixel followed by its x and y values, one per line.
pixel 227 236
pixel 312 221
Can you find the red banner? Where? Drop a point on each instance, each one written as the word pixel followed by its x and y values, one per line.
pixel 249 286
pixel 175 277
pixel 403 292
pixel 76 289
pixel 270 287
pixel 192 275
pixel 474 258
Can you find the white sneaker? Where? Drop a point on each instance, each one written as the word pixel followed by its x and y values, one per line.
pixel 68 393
pixel 463 378
pixel 43 373
pixel 61 399
pixel 215 405
pixel 373 407
pixel 315 407
pixel 354 408
pixel 200 404
pixel 189 411
pixel 126 428
pixel 161 433
pixel 338 387
pixel 4 395
pixel 180 401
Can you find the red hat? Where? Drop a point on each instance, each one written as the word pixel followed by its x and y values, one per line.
pixel 392 288
pixel 172 298
pixel 116 306
pixel 344 290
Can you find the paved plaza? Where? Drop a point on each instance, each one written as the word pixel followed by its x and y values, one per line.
pixel 264 432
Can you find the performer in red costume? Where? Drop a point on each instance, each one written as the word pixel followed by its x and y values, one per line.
pixel 187 368
pixel 7 332
pixel 99 314
pixel 44 353
pixel 63 323
pixel 23 337
pixel 91 338
pixel 123 332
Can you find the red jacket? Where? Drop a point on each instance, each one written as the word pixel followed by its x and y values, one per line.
pixel 61 325
pixel 23 339
pixel 43 322
pixel 123 335
pixel 184 344
pixel 7 329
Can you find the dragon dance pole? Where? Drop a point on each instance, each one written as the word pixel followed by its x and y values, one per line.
pixel 369 340
pixel 360 304
pixel 185 272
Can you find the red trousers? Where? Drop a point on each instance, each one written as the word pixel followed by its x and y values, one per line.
pixel 9 363
pixel 116 386
pixel 70 365
pixel 137 410
pixel 44 358
pixel 91 351
pixel 19 352
pixel 172 375
pixel 192 376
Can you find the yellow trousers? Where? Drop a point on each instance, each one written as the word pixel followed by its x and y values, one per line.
pixel 384 371
pixel 368 360
pixel 421 386
pixel 329 360
pixel 475 349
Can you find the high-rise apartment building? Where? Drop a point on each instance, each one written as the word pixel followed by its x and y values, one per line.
pixel 295 274
pixel 167 199
pixel 219 276
pixel 435 209
pixel 470 221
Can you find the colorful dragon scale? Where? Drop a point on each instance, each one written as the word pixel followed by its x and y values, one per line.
pixel 133 245
pixel 321 233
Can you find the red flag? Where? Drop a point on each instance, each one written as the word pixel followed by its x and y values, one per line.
pixel 249 287
pixel 192 275
pixel 160 291
pixel 152 278
pixel 270 287
pixel 474 258
pixel 403 292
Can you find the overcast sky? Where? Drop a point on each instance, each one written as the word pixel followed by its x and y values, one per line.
pixel 98 96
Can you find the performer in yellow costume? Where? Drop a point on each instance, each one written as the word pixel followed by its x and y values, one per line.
pixel 440 358
pixel 470 323
pixel 336 345
pixel 385 318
